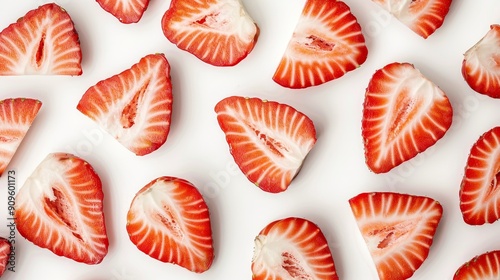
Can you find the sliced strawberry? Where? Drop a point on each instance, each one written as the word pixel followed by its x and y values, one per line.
pixel 43 42
pixel 292 248
pixel 16 117
pixel 404 114
pixel 219 32
pixel 126 11
pixel 60 207
pixel 398 230
pixel 424 17
pixel 482 267
pixel 5 251
pixel 481 64
pixel 134 106
pixel 268 140
pixel 169 221
pixel 480 187
pixel 327 43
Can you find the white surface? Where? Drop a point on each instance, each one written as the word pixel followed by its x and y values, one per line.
pixel 196 149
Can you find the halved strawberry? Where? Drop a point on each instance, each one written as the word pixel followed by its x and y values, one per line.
pixel 404 114
pixel 43 42
pixel 479 190
pixel 482 267
pixel 424 17
pixel 481 64
pixel 268 140
pixel 292 248
pixel 219 32
pixel 327 42
pixel 169 221
pixel 126 11
pixel 134 106
pixel 60 207
pixel 398 230
pixel 5 251
pixel 16 117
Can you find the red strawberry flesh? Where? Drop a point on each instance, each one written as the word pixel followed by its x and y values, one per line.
pixel 292 248
pixel 134 106
pixel 218 32
pixel 169 221
pixel 268 140
pixel 60 207
pixel 482 267
pixel 398 230
pixel 404 114
pixel 43 42
pixel 327 43
pixel 5 254
pixel 126 11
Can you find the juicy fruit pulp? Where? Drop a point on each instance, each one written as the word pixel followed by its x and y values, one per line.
pixel 268 140
pixel 169 220
pixel 60 207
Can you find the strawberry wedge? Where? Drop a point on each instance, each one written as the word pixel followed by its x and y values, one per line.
pixel 480 67
pixel 169 221
pixel 16 117
pixel 327 43
pixel 404 114
pixel 5 253
pixel 43 42
pixel 424 17
pixel 60 207
pixel 292 248
pixel 126 11
pixel 482 267
pixel 134 106
pixel 479 190
pixel 398 230
pixel 218 32
pixel 268 140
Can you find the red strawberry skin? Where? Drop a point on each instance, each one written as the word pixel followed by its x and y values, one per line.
pixel 480 64
pixel 126 11
pixel 292 248
pixel 169 221
pixel 327 43
pixel 16 117
pixel 134 106
pixel 403 115
pixel 398 230
pixel 60 207
pixel 5 251
pixel 479 194
pixel 218 32
pixel 484 266
pixel 268 140
pixel 424 17
pixel 43 42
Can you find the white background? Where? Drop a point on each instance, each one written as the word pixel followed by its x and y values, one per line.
pixel 196 149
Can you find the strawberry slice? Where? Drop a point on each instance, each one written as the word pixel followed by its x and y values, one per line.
pixel 126 11
pixel 327 43
pixel 292 248
pixel 404 114
pixel 218 32
pixel 43 42
pixel 268 140
pixel 484 266
pixel 398 230
pixel 480 67
pixel 169 221
pixel 479 190
pixel 5 251
pixel 16 117
pixel 424 17
pixel 134 106
pixel 60 207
